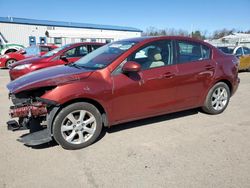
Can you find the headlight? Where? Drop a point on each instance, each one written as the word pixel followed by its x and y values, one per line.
pixel 20 67
pixel 5 56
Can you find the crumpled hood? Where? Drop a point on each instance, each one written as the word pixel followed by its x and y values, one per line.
pixel 51 76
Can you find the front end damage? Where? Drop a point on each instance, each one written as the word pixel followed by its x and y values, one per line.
pixel 30 112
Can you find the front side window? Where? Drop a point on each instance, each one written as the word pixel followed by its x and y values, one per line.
pixel 78 51
pixel 71 53
pixel 53 52
pixel 239 52
pixel 154 55
pixel 192 51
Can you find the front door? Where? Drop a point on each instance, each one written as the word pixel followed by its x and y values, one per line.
pixel 152 90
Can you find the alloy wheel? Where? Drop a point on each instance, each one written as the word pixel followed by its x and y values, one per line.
pixel 219 98
pixel 78 127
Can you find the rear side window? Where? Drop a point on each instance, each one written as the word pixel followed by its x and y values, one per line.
pixel 246 51
pixel 83 50
pixel 94 47
pixel 192 51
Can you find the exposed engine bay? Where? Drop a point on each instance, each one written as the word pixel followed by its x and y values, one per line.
pixel 32 113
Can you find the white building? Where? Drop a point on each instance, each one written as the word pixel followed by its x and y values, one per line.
pixel 30 31
pixel 234 39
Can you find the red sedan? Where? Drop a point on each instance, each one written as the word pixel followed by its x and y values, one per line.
pixel 121 82
pixel 10 58
pixel 64 55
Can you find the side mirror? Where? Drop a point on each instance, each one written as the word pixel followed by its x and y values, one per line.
pixel 22 51
pixel 131 66
pixel 63 57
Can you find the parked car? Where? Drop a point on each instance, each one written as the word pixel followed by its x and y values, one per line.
pixel 31 51
pixel 120 82
pixel 6 47
pixel 243 53
pixel 226 49
pixel 64 55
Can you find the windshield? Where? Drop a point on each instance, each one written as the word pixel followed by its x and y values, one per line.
pixel 32 50
pixel 104 55
pixel 53 52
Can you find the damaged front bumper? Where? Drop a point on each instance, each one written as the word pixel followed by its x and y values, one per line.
pixel 36 116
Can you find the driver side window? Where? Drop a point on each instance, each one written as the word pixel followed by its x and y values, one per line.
pixel 153 55
pixel 71 53
pixel 239 52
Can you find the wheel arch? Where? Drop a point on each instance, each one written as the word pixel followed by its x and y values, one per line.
pixel 10 50
pixel 226 81
pixel 56 109
pixel 229 84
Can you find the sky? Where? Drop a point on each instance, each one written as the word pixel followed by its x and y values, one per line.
pixel 190 15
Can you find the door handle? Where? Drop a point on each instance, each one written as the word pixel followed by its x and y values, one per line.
pixel 168 75
pixel 209 67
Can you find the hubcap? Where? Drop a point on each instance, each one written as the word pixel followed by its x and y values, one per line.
pixel 11 61
pixel 219 98
pixel 78 127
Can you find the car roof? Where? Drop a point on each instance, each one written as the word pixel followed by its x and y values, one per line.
pixel 85 43
pixel 155 38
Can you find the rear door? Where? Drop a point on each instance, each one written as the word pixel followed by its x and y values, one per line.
pixel 195 72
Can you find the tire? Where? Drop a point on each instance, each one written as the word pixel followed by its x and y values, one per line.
pixel 217 99
pixel 77 125
pixel 9 62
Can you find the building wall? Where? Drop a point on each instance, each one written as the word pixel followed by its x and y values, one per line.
pixel 20 33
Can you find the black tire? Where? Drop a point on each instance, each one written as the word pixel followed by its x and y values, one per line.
pixel 9 62
pixel 208 105
pixel 71 109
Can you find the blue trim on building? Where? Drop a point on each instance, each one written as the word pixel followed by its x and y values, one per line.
pixel 27 21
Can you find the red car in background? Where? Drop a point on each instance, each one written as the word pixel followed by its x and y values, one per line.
pixel 31 51
pixel 63 55
pixel 121 82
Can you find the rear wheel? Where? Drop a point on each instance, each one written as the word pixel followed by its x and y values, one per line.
pixel 217 99
pixel 9 62
pixel 77 125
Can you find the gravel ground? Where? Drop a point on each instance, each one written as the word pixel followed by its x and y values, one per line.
pixel 185 149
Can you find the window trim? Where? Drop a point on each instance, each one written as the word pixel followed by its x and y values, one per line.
pixel 192 42
pixel 114 72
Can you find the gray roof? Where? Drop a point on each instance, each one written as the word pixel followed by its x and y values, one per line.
pixel 27 21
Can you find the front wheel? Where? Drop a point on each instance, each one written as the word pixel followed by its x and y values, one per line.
pixel 77 126
pixel 217 99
